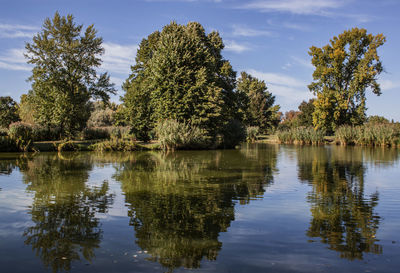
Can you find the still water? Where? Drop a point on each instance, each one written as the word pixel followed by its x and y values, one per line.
pixel 263 208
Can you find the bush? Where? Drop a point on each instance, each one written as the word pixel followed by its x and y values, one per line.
pixel 114 144
pixel 252 132
pixel 91 133
pixel 21 133
pixel 233 134
pixel 3 132
pixel 179 135
pixel 43 133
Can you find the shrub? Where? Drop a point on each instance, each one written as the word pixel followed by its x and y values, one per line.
pixel 233 134
pixel 252 132
pixel 180 135
pixel 43 133
pixel 21 133
pixel 91 133
pixel 3 132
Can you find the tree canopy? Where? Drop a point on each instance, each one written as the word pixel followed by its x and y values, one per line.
pixel 344 70
pixel 64 76
pixel 256 104
pixel 8 111
pixel 180 74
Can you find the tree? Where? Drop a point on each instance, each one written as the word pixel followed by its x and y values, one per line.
pixel 8 111
pixel 256 104
pixel 306 113
pixel 102 114
pixel 344 69
pixel 26 109
pixel 64 76
pixel 377 120
pixel 180 74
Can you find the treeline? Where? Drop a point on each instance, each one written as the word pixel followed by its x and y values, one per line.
pixel 181 91
pixel 179 78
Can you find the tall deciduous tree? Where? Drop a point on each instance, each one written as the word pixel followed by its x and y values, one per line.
pixel 180 74
pixel 64 76
pixel 256 104
pixel 306 109
pixel 344 69
pixel 8 111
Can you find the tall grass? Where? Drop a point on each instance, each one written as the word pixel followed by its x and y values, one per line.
pixel 301 135
pixel 369 135
pixel 180 135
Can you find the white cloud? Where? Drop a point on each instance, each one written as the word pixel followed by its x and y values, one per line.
pixel 235 47
pixel 287 87
pixel 249 32
pixel 14 59
pixel 17 31
pixel 303 62
pixel 319 7
pixel 118 58
pixel 388 84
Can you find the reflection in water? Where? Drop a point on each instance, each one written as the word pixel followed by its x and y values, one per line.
pixel 342 216
pixel 64 210
pixel 179 203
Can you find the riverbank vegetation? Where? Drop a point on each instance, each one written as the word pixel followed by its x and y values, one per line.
pixel 182 93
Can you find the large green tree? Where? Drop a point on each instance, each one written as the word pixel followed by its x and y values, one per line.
pixel 180 74
pixel 64 76
pixel 256 104
pixel 344 70
pixel 306 109
pixel 8 111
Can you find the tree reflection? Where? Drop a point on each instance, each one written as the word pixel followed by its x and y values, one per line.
pixel 342 216
pixel 64 209
pixel 179 203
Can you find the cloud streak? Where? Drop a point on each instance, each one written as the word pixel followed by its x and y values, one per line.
pixel 14 59
pixel 235 46
pixel 17 31
pixel 305 7
pixel 290 89
pixel 244 31
pixel 118 58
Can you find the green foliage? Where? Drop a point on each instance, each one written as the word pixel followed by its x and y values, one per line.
pixel 305 117
pixel 290 120
pixel 21 133
pixel 180 74
pixel 377 120
pixel 175 135
pixel 102 115
pixel 43 133
pixel 255 103
pixel 301 135
pixel 64 76
pixel 8 111
pixel 252 132
pixel 369 134
pixel 344 70
pixel 115 144
pixel 91 133
pixel 8 144
pixel 233 134
pixel 26 109
pixel 68 146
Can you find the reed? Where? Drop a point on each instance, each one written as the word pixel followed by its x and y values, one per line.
pixel 302 136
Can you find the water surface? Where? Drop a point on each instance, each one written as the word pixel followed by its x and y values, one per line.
pixel 263 208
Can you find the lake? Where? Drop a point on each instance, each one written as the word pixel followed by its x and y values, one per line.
pixel 262 208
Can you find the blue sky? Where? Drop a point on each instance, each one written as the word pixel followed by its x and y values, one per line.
pixel 267 38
